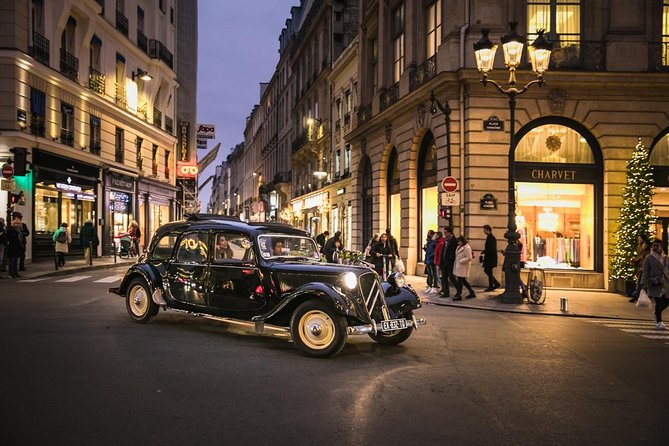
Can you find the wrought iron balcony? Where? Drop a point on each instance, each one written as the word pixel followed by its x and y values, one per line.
pixel 423 73
pixel 159 51
pixel 96 81
pixel 142 109
pixel 41 48
pixel 120 97
pixel 585 55
pixel 67 137
pixel 69 65
pixel 96 147
pixel 37 125
pixel 389 96
pixel 157 118
pixel 121 23
pixel 364 113
pixel 142 41
pixel 659 56
pixel 169 125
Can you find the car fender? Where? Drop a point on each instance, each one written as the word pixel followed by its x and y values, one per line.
pixel 341 303
pixel 145 271
pixel 401 299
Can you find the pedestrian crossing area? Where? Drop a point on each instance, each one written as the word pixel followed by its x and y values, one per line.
pixel 73 279
pixel 644 329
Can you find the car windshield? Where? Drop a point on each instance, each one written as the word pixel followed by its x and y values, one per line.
pixel 274 246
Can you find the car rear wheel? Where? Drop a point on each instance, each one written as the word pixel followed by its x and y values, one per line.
pixel 317 330
pixel 141 307
pixel 394 337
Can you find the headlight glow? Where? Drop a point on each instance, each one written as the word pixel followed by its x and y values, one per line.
pixel 399 280
pixel 350 280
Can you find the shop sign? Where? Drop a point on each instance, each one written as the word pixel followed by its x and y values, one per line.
pixel 7 185
pixel 184 137
pixel 488 203
pixel 202 144
pixel 187 171
pixel 122 182
pixel 449 199
pixel 119 202
pixel 68 187
pixel 206 131
pixel 493 124
pixel 315 201
pixel 571 173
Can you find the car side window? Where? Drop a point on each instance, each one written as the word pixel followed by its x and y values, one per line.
pixel 193 248
pixel 232 248
pixel 164 247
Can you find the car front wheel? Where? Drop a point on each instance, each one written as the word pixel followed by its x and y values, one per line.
pixel 141 307
pixel 394 337
pixel 317 330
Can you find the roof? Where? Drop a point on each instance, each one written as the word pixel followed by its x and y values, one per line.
pixel 221 222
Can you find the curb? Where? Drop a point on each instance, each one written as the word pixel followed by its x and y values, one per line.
pixel 79 269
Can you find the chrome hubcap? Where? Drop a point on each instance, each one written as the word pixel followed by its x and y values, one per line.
pixel 139 301
pixel 317 330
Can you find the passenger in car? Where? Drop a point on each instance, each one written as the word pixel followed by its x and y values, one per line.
pixel 277 247
pixel 223 250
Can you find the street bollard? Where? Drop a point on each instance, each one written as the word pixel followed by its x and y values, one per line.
pixel 564 304
pixel 90 253
pixel 55 258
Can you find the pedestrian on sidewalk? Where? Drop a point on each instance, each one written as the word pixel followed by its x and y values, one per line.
pixel 368 248
pixel 89 239
pixel 382 254
pixel 63 239
pixel 395 248
pixel 642 250
pixel 655 280
pixel 462 267
pixel 430 267
pixel 3 243
pixel 447 259
pixel 14 237
pixel 331 248
pixel 489 258
pixel 321 239
pixel 26 232
pixel 135 233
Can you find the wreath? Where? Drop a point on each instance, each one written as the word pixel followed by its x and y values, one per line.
pixel 553 143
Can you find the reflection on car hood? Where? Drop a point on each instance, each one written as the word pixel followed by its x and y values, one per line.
pixel 290 275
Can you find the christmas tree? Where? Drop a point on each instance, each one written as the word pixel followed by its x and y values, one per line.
pixel 636 215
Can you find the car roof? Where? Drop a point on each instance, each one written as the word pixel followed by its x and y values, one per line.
pixel 205 222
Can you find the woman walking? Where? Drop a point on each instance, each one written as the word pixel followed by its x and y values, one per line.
pixel 463 263
pixel 655 280
pixel 63 239
pixel 382 253
pixel 432 277
pixel 368 248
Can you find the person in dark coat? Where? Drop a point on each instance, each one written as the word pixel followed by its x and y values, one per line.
pixel 392 241
pixel 489 258
pixel 331 247
pixel 432 277
pixel 382 251
pixel 87 236
pixel 447 261
pixel 655 279
pixel 25 232
pixel 321 239
pixel 15 246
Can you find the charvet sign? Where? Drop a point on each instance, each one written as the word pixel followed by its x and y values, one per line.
pixel 555 173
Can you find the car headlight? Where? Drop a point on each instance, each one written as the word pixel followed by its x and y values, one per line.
pixel 400 281
pixel 350 280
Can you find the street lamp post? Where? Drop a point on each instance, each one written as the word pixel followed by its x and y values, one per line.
pixel 539 53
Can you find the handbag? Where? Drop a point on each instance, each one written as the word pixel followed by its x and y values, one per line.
pixel 644 300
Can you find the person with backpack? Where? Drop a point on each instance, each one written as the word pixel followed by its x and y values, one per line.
pixel 63 239
pixel 89 239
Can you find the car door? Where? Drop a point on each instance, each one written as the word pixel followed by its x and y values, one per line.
pixel 187 272
pixel 234 278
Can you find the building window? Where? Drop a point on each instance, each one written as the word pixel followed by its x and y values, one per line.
pixel 37 112
pixel 561 19
pixel 665 33
pixel 433 27
pixel 394 202
pixel 398 42
pixel 154 160
pixel 138 148
pixel 140 19
pixel 172 15
pixel 167 165
pixel 67 124
pixel 161 6
pixel 95 52
pixel 119 145
pixel 121 96
pixel 95 135
pixel 347 159
pixel 337 164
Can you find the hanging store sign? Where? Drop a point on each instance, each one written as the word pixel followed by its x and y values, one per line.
pixel 187 171
pixel 184 138
pixel 493 124
pixel 488 203
pixel 121 182
pixel 206 131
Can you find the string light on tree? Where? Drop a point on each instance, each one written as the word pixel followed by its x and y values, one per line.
pixel 636 214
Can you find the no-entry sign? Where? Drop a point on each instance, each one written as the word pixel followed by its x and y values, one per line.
pixel 7 171
pixel 449 184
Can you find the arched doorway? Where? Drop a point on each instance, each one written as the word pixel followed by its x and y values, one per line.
pixel 659 159
pixel 394 201
pixel 428 195
pixel 367 202
pixel 559 195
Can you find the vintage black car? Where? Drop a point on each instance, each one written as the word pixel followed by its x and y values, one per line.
pixel 267 275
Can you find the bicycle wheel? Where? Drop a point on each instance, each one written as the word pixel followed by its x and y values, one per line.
pixel 536 287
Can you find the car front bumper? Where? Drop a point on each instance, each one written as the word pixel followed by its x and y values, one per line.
pixel 381 327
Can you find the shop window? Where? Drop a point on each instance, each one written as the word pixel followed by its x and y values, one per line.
pixel 429 193
pixel 374 64
pixel 46 210
pixel 561 19
pixel 94 135
pixel 433 27
pixel 398 42
pixel 120 206
pixel 553 143
pixel 347 159
pixel 119 145
pixel 394 203
pixel 665 33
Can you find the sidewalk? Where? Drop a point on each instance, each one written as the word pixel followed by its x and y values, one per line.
pixel 581 303
pixel 47 268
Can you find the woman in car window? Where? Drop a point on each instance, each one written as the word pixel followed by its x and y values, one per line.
pixel 223 250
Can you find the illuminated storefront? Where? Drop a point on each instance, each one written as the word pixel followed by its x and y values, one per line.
pixel 65 192
pixel 311 212
pixel 155 207
pixel 394 202
pixel 428 193
pixel 120 206
pixel 558 187
pixel 659 159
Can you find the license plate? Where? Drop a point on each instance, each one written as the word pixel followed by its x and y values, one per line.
pixel 394 324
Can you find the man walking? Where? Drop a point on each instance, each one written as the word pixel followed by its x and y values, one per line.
pixel 321 239
pixel 26 232
pixel 447 261
pixel 394 248
pixel 332 247
pixel 489 258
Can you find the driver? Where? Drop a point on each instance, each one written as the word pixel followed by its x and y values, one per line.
pixel 277 247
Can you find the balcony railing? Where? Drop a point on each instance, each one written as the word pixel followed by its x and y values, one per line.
pixel 142 41
pixel 585 55
pixel 120 97
pixel 169 125
pixel 423 73
pixel 300 141
pixel 67 137
pixel 142 109
pixel 96 147
pixel 159 51
pixel 69 65
pixel 37 125
pixel 347 119
pixel 659 56
pixel 364 113
pixel 41 48
pixel 389 96
pixel 121 23
pixel 96 81
pixel 157 118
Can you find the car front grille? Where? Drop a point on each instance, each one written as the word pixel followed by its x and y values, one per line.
pixel 372 295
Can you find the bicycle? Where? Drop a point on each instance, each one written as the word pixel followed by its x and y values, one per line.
pixel 536 286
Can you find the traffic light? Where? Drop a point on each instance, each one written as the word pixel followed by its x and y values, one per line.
pixel 442 212
pixel 20 154
pixel 13 198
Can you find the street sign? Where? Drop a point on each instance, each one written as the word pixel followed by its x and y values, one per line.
pixel 7 185
pixel 449 184
pixel 449 199
pixel 7 171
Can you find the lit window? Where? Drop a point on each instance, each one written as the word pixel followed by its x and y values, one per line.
pixel 433 28
pixel 665 33
pixel 398 43
pixel 561 19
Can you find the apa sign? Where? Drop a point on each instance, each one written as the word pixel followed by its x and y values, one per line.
pixel 206 131
pixel 187 171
